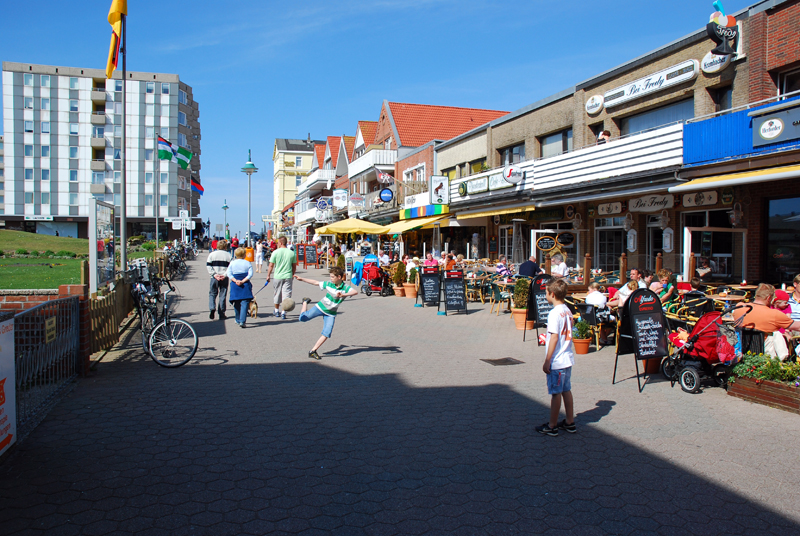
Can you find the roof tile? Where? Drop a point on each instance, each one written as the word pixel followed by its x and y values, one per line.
pixel 417 124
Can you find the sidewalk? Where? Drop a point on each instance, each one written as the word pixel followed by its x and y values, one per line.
pixel 400 429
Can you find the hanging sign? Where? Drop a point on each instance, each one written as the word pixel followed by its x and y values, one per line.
pixel 595 104
pixel 727 196
pixel 678 74
pixel 8 384
pixel 569 211
pixel 722 28
pixel 633 237
pixel 439 187
pixel 546 243
pixel 357 200
pixel 668 240
pixel 513 174
pixel 386 195
pixel 711 63
pixel 700 199
pixel 606 209
pixel 565 239
pixel 651 203
pixel 322 204
pixel 340 198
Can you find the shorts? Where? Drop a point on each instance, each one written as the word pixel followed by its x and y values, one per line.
pixel 328 320
pixel 283 289
pixel 260 259
pixel 558 381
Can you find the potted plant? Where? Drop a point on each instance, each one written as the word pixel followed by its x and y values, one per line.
pixel 398 278
pixel 520 310
pixel 581 336
pixel 410 285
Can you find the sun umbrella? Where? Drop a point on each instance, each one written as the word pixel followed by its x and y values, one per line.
pixel 352 225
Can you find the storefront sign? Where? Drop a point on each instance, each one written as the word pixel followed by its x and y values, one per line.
pixel 727 196
pixel 38 218
pixel 356 200
pixel 570 212
pixel 513 175
pixel 340 198
pixel 700 199
pixel 565 239
pixel 673 76
pixel 477 186
pixel 595 104
pixel 322 204
pixel 386 195
pixel 722 28
pixel 462 189
pixel 651 203
pixel 416 200
pixel 497 182
pixel 546 243
pixel 8 383
pixel 633 239
pixel 439 188
pixel 548 214
pixel 776 127
pixel 607 209
pixel 711 63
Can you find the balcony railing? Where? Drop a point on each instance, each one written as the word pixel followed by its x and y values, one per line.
pixel 317 180
pixel 376 157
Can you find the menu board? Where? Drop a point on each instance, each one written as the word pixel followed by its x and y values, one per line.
pixel 546 243
pixel 455 291
pixel 365 250
pixel 429 286
pixel 311 254
pixel 565 239
pixel 300 251
pixel 538 306
pixel 648 325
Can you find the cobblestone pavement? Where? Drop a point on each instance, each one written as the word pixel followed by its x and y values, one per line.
pixel 400 429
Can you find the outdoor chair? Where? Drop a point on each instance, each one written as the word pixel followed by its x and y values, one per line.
pixel 752 340
pixel 498 297
pixel 588 314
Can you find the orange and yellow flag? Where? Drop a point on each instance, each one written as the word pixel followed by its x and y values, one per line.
pixel 118 9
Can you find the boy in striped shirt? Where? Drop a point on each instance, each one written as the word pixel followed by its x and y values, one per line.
pixel 336 290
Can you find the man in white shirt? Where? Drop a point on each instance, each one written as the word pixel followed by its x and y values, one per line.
pixel 559 268
pixel 383 258
pixel 636 275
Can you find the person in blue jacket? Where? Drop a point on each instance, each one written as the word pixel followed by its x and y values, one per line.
pixel 240 294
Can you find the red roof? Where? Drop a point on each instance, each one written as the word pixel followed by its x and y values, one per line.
pixel 349 145
pixel 290 205
pixel 342 182
pixel 368 130
pixel 333 144
pixel 319 150
pixel 417 124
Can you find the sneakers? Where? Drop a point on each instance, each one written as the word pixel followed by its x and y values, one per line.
pixel 314 355
pixel 211 314
pixel 241 325
pixel 307 300
pixel 569 428
pixel 545 429
pixel 283 315
pixel 277 313
pixel 222 316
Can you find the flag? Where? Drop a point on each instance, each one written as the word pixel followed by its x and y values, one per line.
pixel 169 151
pixel 197 187
pixel 119 8
pixel 165 150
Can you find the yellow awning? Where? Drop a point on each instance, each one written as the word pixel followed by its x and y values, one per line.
pixel 352 225
pixel 406 225
pixel 734 179
pixel 494 212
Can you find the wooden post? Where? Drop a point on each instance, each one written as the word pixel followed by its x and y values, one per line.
pixel 659 262
pixel 547 264
pixel 623 269
pixel 587 269
pixel 692 267
pixel 84 272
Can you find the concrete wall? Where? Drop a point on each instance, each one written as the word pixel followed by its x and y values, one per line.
pixel 464 151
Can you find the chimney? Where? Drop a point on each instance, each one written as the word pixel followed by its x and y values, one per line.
pixel 308 140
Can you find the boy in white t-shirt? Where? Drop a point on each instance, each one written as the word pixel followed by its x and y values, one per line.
pixel 559 360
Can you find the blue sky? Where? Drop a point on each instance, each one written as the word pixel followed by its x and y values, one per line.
pixel 262 70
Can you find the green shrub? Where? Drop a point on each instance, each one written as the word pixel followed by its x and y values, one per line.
pixel 22 251
pixel 582 330
pixel 399 275
pixel 149 246
pixel 49 253
pixel 34 253
pixel 340 262
pixel 521 289
pixel 412 276
pixel 65 253
pixel 762 367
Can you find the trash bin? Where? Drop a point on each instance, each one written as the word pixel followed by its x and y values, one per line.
pixel 250 255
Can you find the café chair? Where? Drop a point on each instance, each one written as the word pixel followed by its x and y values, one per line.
pixel 588 314
pixel 752 340
pixel 498 297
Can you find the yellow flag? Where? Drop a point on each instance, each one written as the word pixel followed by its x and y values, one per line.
pixel 118 9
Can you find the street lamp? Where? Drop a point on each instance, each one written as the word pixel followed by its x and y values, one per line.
pixel 225 208
pixel 249 168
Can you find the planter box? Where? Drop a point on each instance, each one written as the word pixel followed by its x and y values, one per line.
pixel 772 394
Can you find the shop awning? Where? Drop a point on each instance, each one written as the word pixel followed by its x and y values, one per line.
pixel 352 225
pixel 735 179
pixel 496 211
pixel 403 226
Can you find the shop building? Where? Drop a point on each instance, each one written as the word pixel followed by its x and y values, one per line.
pixel 291 160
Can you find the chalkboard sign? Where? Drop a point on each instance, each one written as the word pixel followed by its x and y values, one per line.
pixel 455 291
pixel 546 243
pixel 493 244
pixel 429 286
pixel 311 254
pixel 642 330
pixel 300 250
pixel 538 306
pixel 565 239
pixel 365 250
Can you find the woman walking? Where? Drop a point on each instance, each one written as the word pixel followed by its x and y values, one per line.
pixel 241 290
pixel 259 255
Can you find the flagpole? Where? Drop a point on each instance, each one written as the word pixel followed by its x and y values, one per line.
pixel 156 183
pixel 123 214
pixel 190 202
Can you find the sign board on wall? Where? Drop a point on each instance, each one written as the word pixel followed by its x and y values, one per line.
pixel 782 125
pixel 633 240
pixel 711 63
pixel 498 182
pixel 651 203
pixel 606 209
pixel 8 383
pixel 477 186
pixel 668 240
pixel 357 200
pixel 340 198
pixel 700 199
pixel 513 174
pixel 677 74
pixel 416 200
pixel 439 188
pixel 595 104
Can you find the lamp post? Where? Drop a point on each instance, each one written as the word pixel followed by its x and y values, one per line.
pixel 249 168
pixel 225 229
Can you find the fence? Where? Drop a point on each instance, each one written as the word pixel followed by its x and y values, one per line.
pixel 47 357
pixel 106 313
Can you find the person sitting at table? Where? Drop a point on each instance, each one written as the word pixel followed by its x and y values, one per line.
pixel 656 287
pixel 647 277
pixel 704 270
pixel 623 294
pixel 559 268
pixel 459 261
pixel 450 262
pixel 696 292
pixel 383 258
pixel 501 268
pixel 596 297
pixel 530 268
pixel 412 264
pixel 429 260
pixel 762 318
pixel 668 292
pixel 794 299
pixel 636 275
pixel 443 259
pixel 395 259
pixel 781 303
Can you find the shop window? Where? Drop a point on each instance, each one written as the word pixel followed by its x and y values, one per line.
pixel 789 82
pixel 665 115
pixel 573 251
pixel 556 144
pixel 477 166
pixel 719 247
pixel 609 243
pixel 783 240
pixel 512 155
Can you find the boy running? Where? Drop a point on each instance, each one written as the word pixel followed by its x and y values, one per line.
pixel 336 291
pixel 559 360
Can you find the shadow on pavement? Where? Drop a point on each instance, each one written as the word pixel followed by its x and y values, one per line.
pixel 344 350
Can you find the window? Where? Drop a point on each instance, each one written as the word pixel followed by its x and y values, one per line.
pixel 28 150
pixel 27 79
pixel 73 199
pixel 118 85
pixel 118 107
pixel 45 174
pixel 181 118
pixel 298 181
pixel 117 131
pixel 164 110
pixel 28 126
pixel 150 87
pixel 27 103
pixel 148 200
pixel 556 144
pixel 98 132
pixel 665 115
pixel 45 151
pixel 117 199
pixel 45 104
pixel 182 141
pixel 148 154
pixel 182 98
pixel 148 178
pixel 45 80
pixel 149 132
pixel 117 176
pixel 73 152
pixel 98 177
pixel 45 127
pixel 789 82
pixel 609 242
pixel 164 201
pixel 723 99
pixel 73 83
pixel 150 109
pixel 45 198
pixel 477 166
pixel 28 174
pixel 511 155
pixel 449 173
pixel 73 175
pixel 73 129
pixel 28 198
pixel 298 161
pixel 165 88
pixel 73 105
pixel 164 178
pixel 117 154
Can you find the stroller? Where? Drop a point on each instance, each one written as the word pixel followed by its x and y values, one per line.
pixel 708 353
pixel 374 279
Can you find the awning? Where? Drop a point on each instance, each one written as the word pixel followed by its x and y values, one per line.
pixel 352 225
pixel 735 179
pixel 403 226
pixel 497 211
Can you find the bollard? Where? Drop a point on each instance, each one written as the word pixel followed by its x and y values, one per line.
pixel 623 269
pixel 587 269
pixel 547 264
pixel 659 262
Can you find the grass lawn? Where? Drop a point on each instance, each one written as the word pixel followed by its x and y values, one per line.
pixel 39 273
pixel 10 241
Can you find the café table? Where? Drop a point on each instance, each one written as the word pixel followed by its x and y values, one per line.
pixel 728 298
pixel 476 287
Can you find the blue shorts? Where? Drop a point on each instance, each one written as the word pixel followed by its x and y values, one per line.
pixel 328 320
pixel 558 381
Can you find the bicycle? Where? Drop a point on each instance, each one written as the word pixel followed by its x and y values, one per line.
pixel 171 342
pixel 145 301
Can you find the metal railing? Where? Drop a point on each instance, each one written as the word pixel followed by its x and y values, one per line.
pixel 46 340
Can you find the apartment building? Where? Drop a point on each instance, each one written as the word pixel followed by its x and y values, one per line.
pixel 291 159
pixel 63 146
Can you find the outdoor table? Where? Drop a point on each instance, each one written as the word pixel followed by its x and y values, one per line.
pixel 475 287
pixel 728 298
pixel 744 287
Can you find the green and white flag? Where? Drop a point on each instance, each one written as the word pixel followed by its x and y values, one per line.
pixel 184 157
pixel 168 151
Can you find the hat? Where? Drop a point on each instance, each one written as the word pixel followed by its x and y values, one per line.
pixel 415 259
pixel 781 295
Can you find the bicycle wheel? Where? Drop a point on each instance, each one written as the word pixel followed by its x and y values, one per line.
pixel 148 321
pixel 182 267
pixel 172 344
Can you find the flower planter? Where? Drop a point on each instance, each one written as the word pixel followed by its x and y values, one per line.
pixel 410 289
pixel 773 394
pixel 581 345
pixel 400 292
pixel 519 319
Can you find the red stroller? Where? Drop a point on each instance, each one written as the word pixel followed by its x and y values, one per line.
pixel 375 280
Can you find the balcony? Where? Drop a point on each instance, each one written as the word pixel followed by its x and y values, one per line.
pixel 306 215
pixel 98 95
pixel 98 142
pixel 98 118
pixel 317 181
pixel 373 203
pixel 370 159
pixel 97 188
pixel 98 165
